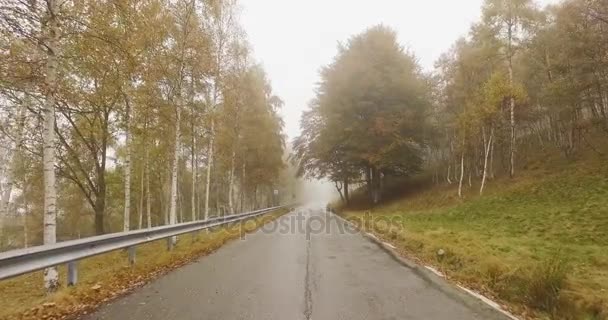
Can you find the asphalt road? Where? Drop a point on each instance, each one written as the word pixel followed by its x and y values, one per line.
pixel 304 266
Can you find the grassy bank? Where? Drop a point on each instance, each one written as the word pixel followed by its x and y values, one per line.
pixel 539 243
pixel 108 276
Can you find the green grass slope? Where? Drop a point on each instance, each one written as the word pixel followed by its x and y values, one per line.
pixel 538 243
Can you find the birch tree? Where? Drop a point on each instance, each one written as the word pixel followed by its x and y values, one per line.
pixel 35 27
pixel 188 56
pixel 127 205
pixel 51 34
pixel 219 17
pixel 130 74
pixel 509 19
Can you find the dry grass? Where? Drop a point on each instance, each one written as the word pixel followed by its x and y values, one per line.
pixel 108 276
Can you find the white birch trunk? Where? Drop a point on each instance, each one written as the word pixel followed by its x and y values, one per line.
pixel 511 102
pixel 220 35
pixel 51 31
pixel 231 183
pixel 485 163
pixel 461 175
pixel 173 200
pixel 148 200
pixel 141 200
pixel 127 206
pixel 209 164
pixel 193 190
pixel 243 186
pixel 491 165
pixel 166 196
pixel 448 176
pixel 180 197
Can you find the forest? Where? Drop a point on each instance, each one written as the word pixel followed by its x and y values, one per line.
pixel 524 78
pixel 130 114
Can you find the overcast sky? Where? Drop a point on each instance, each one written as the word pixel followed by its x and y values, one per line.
pixel 293 39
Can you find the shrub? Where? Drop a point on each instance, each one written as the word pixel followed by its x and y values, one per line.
pixel 546 283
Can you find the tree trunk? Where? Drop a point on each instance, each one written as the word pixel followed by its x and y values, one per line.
pixel 127 206
pixel 180 197
pixel 193 165
pixel 448 175
pixel 491 166
pixel 148 200
pixel 376 185
pixel 255 197
pixel 601 104
pixel 51 30
pixel 368 181
pixel 243 194
pixel 101 188
pixel 174 169
pixel 461 175
pixel 141 199
pixel 145 180
pixel 339 187
pixel 218 187
pixel 231 183
pixel 193 188
pixel 346 193
pixel 25 213
pixel 511 104
pixel 209 164
pixel 487 148
pixel 380 185
pixel 201 199
pixel 165 199
pixel 100 206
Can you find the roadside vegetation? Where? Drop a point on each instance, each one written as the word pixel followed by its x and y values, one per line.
pixel 110 276
pixel 130 114
pixel 537 243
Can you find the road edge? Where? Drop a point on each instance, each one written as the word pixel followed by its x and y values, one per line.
pixel 471 299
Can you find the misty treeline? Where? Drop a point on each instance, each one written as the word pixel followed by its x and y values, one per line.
pixel 130 114
pixel 524 78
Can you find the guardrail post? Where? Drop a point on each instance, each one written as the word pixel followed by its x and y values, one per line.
pixel 131 251
pixel 169 244
pixel 72 273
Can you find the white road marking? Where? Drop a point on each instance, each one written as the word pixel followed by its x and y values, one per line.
pixel 371 235
pixel 488 302
pixel 435 271
pixel 389 245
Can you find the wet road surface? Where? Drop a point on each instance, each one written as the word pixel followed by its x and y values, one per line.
pixel 306 265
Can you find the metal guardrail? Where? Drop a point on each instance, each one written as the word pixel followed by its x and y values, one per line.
pixel 17 262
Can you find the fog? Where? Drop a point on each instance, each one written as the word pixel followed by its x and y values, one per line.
pixel 312 191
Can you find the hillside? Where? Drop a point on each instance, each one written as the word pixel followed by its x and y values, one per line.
pixel 537 243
